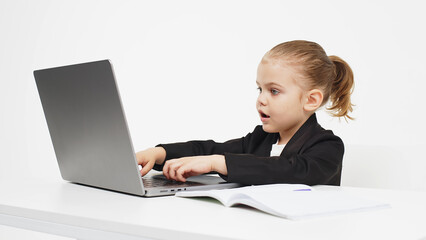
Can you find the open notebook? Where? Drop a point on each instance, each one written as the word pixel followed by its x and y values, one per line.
pixel 291 201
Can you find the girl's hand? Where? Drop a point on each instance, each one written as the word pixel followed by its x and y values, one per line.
pixel 149 157
pixel 182 168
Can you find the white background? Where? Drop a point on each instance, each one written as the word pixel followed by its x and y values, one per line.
pixel 186 69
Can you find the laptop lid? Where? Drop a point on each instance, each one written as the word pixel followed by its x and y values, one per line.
pixel 89 132
pixel 87 126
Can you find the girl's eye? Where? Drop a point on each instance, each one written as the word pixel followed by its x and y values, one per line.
pixel 274 91
pixel 259 89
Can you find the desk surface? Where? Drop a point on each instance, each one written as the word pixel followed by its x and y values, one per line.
pixel 50 205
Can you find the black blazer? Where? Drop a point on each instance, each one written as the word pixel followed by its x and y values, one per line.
pixel 312 156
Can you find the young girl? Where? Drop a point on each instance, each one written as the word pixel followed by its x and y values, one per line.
pixel 294 79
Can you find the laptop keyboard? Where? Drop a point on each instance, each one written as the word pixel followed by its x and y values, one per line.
pixel 161 181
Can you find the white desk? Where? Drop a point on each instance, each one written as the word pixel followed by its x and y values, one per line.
pixel 71 210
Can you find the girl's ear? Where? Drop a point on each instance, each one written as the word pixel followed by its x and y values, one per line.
pixel 313 100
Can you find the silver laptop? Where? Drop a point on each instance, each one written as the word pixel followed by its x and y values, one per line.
pixel 90 135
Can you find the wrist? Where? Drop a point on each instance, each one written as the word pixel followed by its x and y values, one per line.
pixel 160 155
pixel 219 164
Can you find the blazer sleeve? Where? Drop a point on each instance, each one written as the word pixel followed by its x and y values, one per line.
pixel 198 148
pixel 319 161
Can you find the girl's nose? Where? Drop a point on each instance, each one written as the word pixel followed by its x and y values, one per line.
pixel 261 99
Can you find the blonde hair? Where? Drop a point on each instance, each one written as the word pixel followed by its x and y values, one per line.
pixel 331 74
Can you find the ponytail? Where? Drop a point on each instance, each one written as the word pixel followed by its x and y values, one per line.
pixel 341 89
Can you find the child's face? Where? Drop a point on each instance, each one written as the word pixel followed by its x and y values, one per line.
pixel 280 102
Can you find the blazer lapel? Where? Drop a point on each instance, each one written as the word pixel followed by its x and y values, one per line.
pixel 302 135
pixel 266 148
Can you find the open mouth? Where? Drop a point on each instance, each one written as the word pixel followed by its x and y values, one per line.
pixel 263 115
